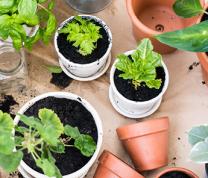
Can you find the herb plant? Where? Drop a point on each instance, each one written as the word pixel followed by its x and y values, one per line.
pixel 42 137
pixel 194 38
pixel 14 14
pixel 198 138
pixel 141 66
pixel 83 34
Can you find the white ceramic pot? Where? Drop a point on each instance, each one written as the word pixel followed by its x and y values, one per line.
pixel 135 109
pixel 83 171
pixel 84 70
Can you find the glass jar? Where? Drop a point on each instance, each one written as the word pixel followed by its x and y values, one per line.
pixel 13 68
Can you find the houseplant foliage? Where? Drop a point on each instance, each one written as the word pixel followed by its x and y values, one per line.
pixel 83 34
pixel 41 137
pixel 141 65
pixel 194 38
pixel 198 138
pixel 14 14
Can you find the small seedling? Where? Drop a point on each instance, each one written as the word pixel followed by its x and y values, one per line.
pixel 54 69
pixel 141 66
pixel 83 34
pixel 41 137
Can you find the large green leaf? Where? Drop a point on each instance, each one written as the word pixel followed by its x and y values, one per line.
pixel 188 8
pixel 145 48
pixel 72 132
pixel 198 134
pixel 6 5
pixel 27 8
pixel 52 126
pixel 47 167
pixel 10 162
pixel 199 152
pixel 193 38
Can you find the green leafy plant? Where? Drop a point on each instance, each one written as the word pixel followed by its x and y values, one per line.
pixel 42 137
pixel 83 34
pixel 14 14
pixel 54 69
pixel 198 138
pixel 141 67
pixel 194 38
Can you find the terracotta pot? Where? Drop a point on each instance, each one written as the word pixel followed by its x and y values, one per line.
pixel 186 171
pixel 152 17
pixel 146 143
pixel 112 167
pixel 203 58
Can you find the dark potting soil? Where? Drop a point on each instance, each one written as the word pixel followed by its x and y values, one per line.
pixel 71 53
pixel 75 114
pixel 143 93
pixel 6 103
pixel 175 174
pixel 61 80
pixel 206 168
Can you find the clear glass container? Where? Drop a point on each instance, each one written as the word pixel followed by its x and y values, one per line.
pixel 13 68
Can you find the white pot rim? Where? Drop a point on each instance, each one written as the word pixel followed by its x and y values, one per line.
pixel 89 107
pixel 107 29
pixel 138 102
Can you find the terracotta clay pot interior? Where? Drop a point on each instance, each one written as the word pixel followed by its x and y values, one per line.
pixel 111 166
pixel 146 143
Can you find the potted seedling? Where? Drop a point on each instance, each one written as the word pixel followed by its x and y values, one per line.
pixel 198 137
pixel 193 38
pixel 146 137
pixel 138 79
pixel 55 135
pixel 112 166
pixel 176 172
pixel 152 17
pixel 83 44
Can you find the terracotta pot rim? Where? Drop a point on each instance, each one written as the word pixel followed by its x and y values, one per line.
pixel 143 128
pixel 112 163
pixel 137 22
pixel 184 170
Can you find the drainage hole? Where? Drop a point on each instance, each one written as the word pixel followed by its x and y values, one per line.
pixel 159 28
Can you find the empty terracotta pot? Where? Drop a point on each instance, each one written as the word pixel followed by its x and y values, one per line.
pixel 152 17
pixel 146 143
pixel 112 167
pixel 203 58
pixel 177 169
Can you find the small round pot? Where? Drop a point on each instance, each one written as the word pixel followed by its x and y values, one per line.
pixel 153 17
pixel 84 70
pixel 146 143
pixel 112 167
pixel 83 171
pixel 136 107
pixel 185 171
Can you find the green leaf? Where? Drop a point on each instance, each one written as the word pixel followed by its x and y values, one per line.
pixel 86 145
pixel 145 48
pixel 6 143
pixel 72 132
pixel 199 152
pixel 19 140
pixel 30 41
pixel 188 8
pixel 193 38
pixel 198 134
pixel 59 148
pixel 47 167
pixel 83 33
pixel 31 121
pixel 51 4
pixel 10 162
pixel 6 5
pixel 54 69
pixel 52 126
pixel 27 8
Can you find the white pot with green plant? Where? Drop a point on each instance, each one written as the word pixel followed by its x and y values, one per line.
pixel 139 79
pixel 198 138
pixel 46 138
pixel 83 44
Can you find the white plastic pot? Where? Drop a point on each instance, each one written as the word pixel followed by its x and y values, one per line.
pixel 83 171
pixel 84 70
pixel 136 109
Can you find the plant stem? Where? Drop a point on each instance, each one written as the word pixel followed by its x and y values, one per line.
pixel 205 12
pixel 68 145
pixel 43 8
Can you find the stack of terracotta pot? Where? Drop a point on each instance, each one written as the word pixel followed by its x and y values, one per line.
pixel 147 145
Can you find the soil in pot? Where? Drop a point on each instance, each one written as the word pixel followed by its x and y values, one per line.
pixel 175 174
pixel 143 93
pixel 75 114
pixel 71 53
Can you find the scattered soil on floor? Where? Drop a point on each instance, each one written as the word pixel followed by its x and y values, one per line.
pixel 6 104
pixel 143 93
pixel 203 82
pixel 61 80
pixel 75 114
pixel 71 53
pixel 192 66
pixel 175 174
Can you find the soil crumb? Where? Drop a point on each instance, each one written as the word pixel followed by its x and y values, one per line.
pixel 195 64
pixel 61 80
